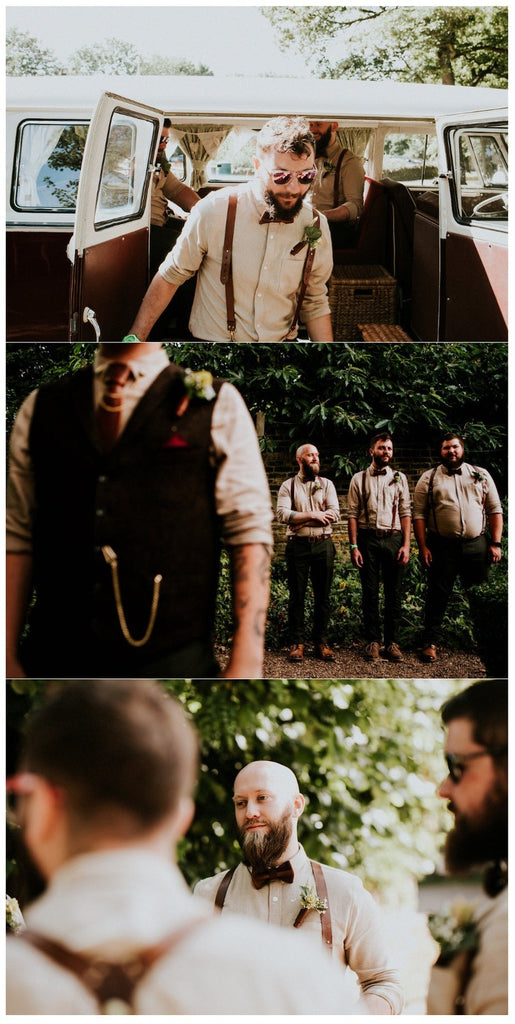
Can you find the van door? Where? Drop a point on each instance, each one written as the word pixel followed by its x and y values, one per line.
pixel 110 244
pixel 473 227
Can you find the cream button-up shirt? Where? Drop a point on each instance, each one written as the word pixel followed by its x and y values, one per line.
pixel 359 941
pixel 461 501
pixel 114 903
pixel 317 495
pixel 350 186
pixel 242 495
pixel 266 275
pixel 388 499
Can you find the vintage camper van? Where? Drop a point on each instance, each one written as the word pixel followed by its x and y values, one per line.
pixel 80 155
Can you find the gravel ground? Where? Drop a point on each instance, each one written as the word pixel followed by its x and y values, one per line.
pixel 350 663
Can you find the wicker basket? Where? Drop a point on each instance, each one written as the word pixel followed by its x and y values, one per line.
pixel 360 294
pixel 383 332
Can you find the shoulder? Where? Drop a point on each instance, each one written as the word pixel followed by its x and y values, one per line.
pixel 207 888
pixel 343 882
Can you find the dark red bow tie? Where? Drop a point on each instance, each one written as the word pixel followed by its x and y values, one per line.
pixel 282 873
pixel 453 472
pixel 268 218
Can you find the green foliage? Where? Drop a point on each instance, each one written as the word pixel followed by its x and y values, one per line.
pixel 451 45
pixel 24 55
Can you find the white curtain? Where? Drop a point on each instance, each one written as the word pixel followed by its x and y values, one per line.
pixel 355 139
pixel 200 143
pixel 39 141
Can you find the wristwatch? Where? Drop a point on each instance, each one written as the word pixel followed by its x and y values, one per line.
pixel 132 339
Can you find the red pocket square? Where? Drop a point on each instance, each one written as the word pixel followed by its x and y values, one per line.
pixel 176 441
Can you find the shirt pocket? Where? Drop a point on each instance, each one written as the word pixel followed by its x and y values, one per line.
pixel 290 274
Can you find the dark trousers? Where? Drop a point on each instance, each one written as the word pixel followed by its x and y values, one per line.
pixel 305 559
pixel 380 560
pixel 87 658
pixel 452 557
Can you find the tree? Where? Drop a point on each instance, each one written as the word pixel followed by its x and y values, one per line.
pixel 368 755
pixel 24 55
pixel 113 57
pixel 160 65
pixel 451 45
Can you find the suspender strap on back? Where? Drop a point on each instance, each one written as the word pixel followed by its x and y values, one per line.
pixel 108 981
pixel 226 270
pixel 222 888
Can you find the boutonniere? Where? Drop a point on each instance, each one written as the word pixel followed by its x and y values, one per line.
pixel 317 486
pixel 396 479
pixel 454 930
pixel 13 915
pixel 329 168
pixel 199 384
pixel 312 238
pixel 476 475
pixel 309 900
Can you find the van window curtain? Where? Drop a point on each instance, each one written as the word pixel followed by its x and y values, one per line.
pixel 355 139
pixel 200 143
pixel 39 141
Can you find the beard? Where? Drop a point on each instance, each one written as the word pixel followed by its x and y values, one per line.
pixel 381 461
pixel 309 472
pixel 452 464
pixel 322 143
pixel 261 849
pixel 278 212
pixel 473 842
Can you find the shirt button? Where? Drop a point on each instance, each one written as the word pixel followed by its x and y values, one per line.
pixel 259 295
pixel 102 479
pixel 275 899
pixel 99 512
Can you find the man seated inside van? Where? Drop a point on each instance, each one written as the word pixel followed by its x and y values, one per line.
pixel 338 186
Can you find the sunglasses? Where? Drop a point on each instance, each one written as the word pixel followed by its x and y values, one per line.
pixel 457 763
pixel 284 177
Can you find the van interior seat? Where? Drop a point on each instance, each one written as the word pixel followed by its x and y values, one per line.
pixel 429 203
pixel 399 245
pixel 370 243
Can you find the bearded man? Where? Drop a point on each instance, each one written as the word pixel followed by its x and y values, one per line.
pixel 453 505
pixel 308 504
pixel 277 882
pixel 338 188
pixel 260 251
pixel 476 750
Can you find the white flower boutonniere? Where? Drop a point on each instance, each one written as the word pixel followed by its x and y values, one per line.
pixel 13 914
pixel 454 930
pixel 199 384
pixel 476 475
pixel 309 900
pixel 317 486
pixel 329 168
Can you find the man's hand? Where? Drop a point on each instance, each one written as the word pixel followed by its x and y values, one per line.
pixel 425 556
pixel 403 554
pixel 251 591
pixel 356 558
pixel 494 553
pixel 159 293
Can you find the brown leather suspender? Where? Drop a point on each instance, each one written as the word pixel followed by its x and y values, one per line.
pixel 108 981
pixel 320 886
pixel 336 189
pixel 226 270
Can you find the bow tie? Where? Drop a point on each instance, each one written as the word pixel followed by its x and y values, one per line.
pixel 282 873
pixel 453 472
pixel 268 218
pixel 379 472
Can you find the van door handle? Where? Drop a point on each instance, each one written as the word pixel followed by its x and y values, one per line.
pixel 90 317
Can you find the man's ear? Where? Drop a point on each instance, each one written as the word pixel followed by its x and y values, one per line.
pixel 184 815
pixel 299 803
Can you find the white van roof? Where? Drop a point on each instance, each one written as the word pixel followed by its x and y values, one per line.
pixel 214 98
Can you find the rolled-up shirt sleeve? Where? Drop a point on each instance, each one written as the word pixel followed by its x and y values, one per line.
pixel 242 495
pixel 367 952
pixel 354 499
pixel 185 258
pixel 352 179
pixel 493 504
pixel 404 499
pixel 420 505
pixel 316 301
pixel 283 510
pixel 20 499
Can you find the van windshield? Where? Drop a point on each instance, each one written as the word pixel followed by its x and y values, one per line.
pixel 47 165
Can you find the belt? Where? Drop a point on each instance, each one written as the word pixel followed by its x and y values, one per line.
pixel 312 540
pixel 379 533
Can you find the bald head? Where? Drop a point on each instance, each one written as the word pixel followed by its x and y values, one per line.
pixel 267 804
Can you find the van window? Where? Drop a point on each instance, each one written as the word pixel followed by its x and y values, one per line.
pixel 47 165
pixel 480 183
pixel 177 162
pixel 235 157
pixel 411 159
pixel 124 177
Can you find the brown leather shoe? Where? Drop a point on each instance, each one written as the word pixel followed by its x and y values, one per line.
pixel 372 651
pixel 428 653
pixel 393 653
pixel 296 652
pixel 324 652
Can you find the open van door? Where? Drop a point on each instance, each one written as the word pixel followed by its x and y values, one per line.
pixel 473 226
pixel 110 244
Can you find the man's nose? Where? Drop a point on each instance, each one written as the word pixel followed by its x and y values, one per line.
pixel 252 810
pixel 445 788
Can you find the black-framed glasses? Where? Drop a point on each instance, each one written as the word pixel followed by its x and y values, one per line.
pixel 456 763
pixel 284 177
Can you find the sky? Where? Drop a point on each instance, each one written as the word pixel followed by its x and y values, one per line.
pixel 230 40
